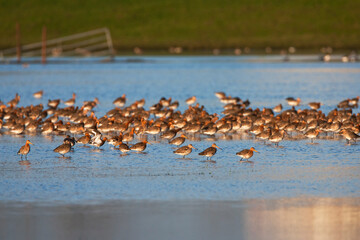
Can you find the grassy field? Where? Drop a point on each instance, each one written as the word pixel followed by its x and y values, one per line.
pixel 192 24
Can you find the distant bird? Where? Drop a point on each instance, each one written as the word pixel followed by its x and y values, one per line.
pixel 220 95
pixel 185 150
pixel 84 139
pixel 120 101
pixel 24 150
pixel 53 103
pixel 191 100
pixel 70 140
pixel 246 153
pixel 312 133
pixel 278 108
pixel 169 134
pixel 277 136
pixel 178 141
pixel 128 137
pixel 63 149
pixel 140 146
pixel 293 102
pixel 354 102
pixel 314 105
pixel 349 135
pixel 71 101
pixel 123 147
pixel 38 94
pixel 209 152
pixel 97 141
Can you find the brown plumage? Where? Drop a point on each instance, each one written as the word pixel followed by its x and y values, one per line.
pixel 71 101
pixel 53 103
pixel 178 141
pixel 312 133
pixel 209 152
pixel 191 100
pixel 293 102
pixel 120 101
pixel 314 105
pixel 38 94
pixel 140 146
pixel 84 139
pixel 63 148
pixel 128 137
pixel 123 147
pixel 185 150
pixel 349 135
pixel 169 134
pixel 277 136
pixel 246 153
pixel 278 108
pixel 24 150
pixel 70 140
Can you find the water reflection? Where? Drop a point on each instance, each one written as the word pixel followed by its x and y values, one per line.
pixel 315 219
pixel 256 219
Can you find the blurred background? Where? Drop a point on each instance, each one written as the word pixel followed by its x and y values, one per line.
pixel 176 26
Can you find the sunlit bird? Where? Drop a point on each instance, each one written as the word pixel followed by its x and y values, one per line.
pixel 63 149
pixel 293 102
pixel 140 146
pixel 209 152
pixel 185 150
pixel 246 153
pixel 178 141
pixel 120 101
pixel 24 150
pixel 123 147
pixel 312 133
pixel 349 135
pixel 38 94
pixel 191 100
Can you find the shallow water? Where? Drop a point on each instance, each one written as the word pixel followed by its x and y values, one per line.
pixel 329 169
pixel 288 219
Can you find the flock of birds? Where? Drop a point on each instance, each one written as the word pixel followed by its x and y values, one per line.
pixel 120 125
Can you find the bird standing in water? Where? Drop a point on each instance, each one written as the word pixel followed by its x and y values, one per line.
pixel 209 152
pixel 140 146
pixel 24 150
pixel 185 150
pixel 178 141
pixel 349 135
pixel 124 148
pixel 63 148
pixel 246 153
pixel 312 133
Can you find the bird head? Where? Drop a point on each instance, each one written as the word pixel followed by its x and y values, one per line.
pixel 191 146
pixel 182 135
pixel 215 146
pixel 253 149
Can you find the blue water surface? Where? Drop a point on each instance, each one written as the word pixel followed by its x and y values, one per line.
pixel 327 169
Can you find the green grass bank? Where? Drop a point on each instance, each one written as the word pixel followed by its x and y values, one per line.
pixel 192 24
